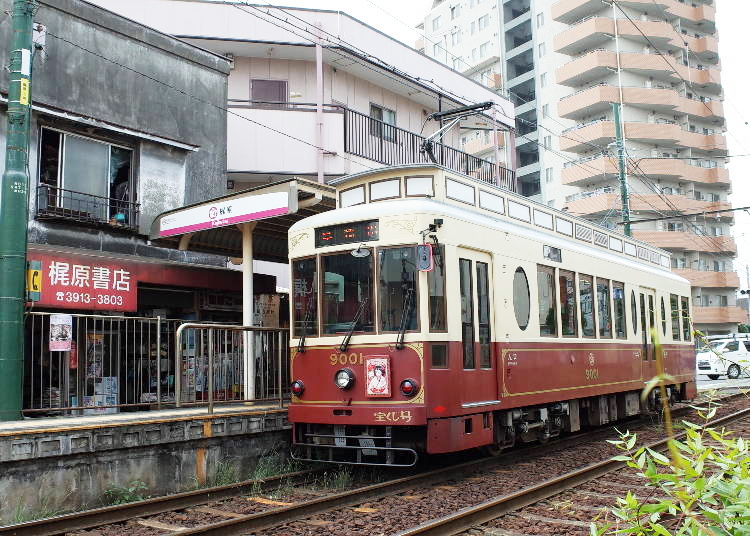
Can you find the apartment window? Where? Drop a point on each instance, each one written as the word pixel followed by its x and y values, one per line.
pixel 474 54
pixel 85 179
pixel 548 175
pixel 675 226
pixel 473 27
pixel 455 38
pixel 545 110
pixel 716 230
pixel 542 49
pixel 455 12
pixel 483 22
pixel 539 20
pixel 484 49
pixel 436 23
pixel 548 142
pixel 436 50
pixel 723 301
pixel 678 262
pixel 268 93
pixel 386 120
pixel 456 64
pixel 543 80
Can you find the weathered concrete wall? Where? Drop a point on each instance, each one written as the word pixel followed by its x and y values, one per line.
pixel 61 471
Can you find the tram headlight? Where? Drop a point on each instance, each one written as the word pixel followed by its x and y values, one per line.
pixel 409 387
pixel 297 388
pixel 344 379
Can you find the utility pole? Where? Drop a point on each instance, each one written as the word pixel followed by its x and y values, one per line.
pixel 14 208
pixel 621 162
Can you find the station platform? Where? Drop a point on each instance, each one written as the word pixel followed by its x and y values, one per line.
pixel 68 463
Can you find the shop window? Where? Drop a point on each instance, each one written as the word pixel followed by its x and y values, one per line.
pixel 521 298
pixel 269 93
pixel 85 180
pixel 568 304
pixel 547 301
pixel 397 288
pixel 604 308
pixel 685 308
pixel 436 292
pixel 305 297
pixel 618 297
pixel 385 122
pixel 675 308
pixel 586 293
pixel 483 310
pixel 347 293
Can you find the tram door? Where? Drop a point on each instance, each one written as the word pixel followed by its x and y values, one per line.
pixel 647 301
pixel 476 356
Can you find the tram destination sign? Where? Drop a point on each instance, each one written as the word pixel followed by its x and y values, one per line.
pixel 346 233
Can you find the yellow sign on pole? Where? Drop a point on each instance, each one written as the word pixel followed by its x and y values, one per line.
pixel 24 98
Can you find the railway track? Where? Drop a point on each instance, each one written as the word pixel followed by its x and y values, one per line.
pixel 279 513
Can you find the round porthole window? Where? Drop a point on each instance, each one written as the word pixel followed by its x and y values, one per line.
pixel 521 298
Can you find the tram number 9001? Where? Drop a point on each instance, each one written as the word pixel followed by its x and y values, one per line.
pixel 346 359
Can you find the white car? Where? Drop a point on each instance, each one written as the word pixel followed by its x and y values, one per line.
pixel 724 357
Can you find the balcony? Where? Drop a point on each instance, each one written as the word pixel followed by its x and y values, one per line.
pixel 596 64
pixel 482 145
pixel 380 142
pixel 600 133
pixel 605 201
pixel 603 167
pixel 570 11
pixel 600 98
pixel 593 32
pixel 701 278
pixel 719 315
pixel 54 203
pixel 687 241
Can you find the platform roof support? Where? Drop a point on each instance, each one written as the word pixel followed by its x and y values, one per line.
pixel 248 305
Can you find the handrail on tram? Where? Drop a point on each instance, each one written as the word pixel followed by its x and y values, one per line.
pixel 211 327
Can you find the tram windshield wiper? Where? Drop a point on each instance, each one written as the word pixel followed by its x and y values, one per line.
pixel 305 323
pixel 355 321
pixel 405 313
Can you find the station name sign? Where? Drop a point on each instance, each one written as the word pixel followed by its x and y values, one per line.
pixel 225 213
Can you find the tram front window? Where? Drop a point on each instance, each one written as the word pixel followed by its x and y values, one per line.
pixel 347 281
pixel 398 288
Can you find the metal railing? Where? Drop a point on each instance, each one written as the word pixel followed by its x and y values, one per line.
pixel 115 363
pixel 211 364
pixel 390 145
pixel 57 203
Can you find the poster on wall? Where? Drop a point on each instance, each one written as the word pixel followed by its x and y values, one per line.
pixel 378 376
pixel 60 333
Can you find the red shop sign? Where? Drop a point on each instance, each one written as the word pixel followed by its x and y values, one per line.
pixel 86 284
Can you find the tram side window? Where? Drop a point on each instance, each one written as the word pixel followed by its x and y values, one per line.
pixel 663 318
pixel 586 291
pixel 483 311
pixel 685 303
pixel 618 296
pixel 521 298
pixel 644 327
pixel 568 304
pixel 347 287
pixel 652 321
pixel 547 301
pixel 397 288
pixel 674 305
pixel 467 312
pixel 634 312
pixel 605 311
pixel 436 291
pixel 305 299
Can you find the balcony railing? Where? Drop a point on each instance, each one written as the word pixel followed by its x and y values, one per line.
pixel 60 204
pixel 390 145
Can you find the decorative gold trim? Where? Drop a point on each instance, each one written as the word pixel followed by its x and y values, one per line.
pixel 404 225
pixel 296 239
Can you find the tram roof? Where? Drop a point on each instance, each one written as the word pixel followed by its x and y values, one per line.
pixel 212 226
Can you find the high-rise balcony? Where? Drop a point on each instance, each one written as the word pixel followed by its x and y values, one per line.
pixel 600 133
pixel 570 11
pixel 483 145
pixel 702 278
pixel 674 240
pixel 603 167
pixel 599 63
pixel 719 315
pixel 600 98
pixel 610 199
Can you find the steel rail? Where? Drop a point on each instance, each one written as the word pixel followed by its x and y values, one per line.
pixel 471 516
pixel 123 512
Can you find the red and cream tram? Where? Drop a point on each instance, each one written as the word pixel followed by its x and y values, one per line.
pixel 433 312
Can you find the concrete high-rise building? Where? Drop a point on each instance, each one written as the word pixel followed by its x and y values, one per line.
pixel 565 63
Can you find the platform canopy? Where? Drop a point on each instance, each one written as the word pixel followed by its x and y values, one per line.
pixel 213 226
